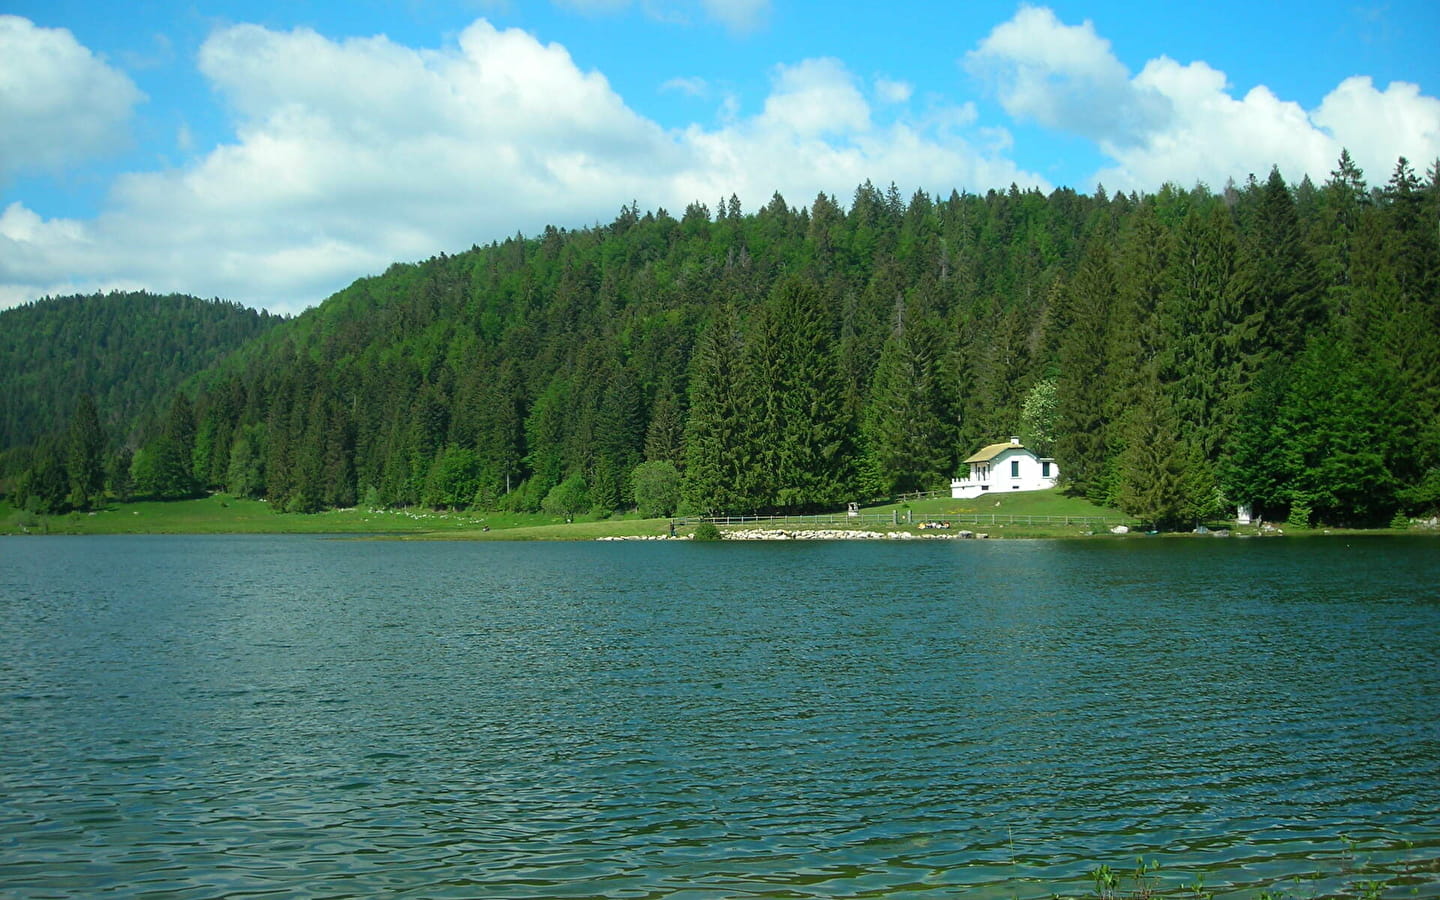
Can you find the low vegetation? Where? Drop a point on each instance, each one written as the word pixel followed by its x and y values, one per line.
pixel 1039 514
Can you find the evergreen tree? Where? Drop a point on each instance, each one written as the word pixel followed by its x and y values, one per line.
pixel 117 475
pixel 45 486
pixel 85 457
pixel 1253 470
pixel 804 445
pixel 1342 202
pixel 906 436
pixel 1083 445
pixel 164 469
pixel 1163 480
pixel 719 453
pixel 1286 282
pixel 1334 439
pixel 1207 327
pixel 665 434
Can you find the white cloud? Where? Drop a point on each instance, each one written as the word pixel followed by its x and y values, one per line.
pixel 816 96
pixel 1181 123
pixel 892 91
pixel 58 103
pixel 1064 76
pixel 1380 126
pixel 738 15
pixel 350 155
pixel 692 86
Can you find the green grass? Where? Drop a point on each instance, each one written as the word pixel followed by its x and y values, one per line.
pixel 1022 503
pixel 221 514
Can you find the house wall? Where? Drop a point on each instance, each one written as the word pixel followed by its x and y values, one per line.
pixel 1002 477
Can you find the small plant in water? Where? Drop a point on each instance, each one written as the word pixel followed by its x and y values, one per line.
pixel 1107 883
pixel 1371 890
pixel 1143 882
pixel 1197 890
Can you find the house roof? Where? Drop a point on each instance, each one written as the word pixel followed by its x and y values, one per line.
pixel 988 453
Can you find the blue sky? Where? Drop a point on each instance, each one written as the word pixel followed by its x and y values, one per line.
pixel 271 153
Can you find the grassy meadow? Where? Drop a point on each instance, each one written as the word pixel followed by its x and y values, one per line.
pixel 221 514
pixel 1032 514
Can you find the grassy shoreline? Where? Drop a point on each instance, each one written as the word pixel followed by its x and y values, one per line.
pixel 220 514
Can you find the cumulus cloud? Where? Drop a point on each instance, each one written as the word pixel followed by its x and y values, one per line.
pixel 1378 126
pixel 1065 77
pixel 349 155
pixel 58 102
pixel 892 91
pixel 1182 123
pixel 816 96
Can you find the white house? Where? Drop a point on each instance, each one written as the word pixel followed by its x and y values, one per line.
pixel 1005 467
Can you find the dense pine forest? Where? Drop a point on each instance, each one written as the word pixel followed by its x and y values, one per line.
pixel 1178 353
pixel 115 358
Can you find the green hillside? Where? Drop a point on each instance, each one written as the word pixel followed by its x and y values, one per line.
pixel 1176 352
pixel 129 351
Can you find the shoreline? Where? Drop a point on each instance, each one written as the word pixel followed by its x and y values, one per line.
pixel 222 515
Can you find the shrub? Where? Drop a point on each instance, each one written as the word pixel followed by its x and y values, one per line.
pixel 567 498
pixel 706 531
pixel 657 488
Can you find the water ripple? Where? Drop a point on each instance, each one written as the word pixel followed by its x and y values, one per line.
pixel 205 717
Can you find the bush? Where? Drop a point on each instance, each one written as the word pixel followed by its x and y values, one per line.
pixel 657 488
pixel 567 498
pixel 706 531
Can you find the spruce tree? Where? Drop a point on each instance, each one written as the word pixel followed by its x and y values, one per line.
pixel 1083 442
pixel 1156 484
pixel 907 440
pixel 1286 282
pixel 719 451
pixel 1206 330
pixel 85 456
pixel 805 442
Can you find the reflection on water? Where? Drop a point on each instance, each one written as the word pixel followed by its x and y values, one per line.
pixel 204 717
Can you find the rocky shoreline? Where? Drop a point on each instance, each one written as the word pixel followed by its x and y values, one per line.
pixel 813 534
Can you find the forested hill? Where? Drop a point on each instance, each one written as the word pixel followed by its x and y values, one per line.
pixel 1275 344
pixel 128 351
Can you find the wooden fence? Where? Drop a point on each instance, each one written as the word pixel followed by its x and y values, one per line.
pixel 895 518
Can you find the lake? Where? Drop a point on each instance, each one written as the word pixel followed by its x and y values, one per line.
pixel 196 717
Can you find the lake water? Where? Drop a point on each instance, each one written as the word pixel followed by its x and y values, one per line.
pixel 197 717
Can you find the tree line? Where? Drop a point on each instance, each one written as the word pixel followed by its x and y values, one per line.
pixel 1271 344
pixel 127 351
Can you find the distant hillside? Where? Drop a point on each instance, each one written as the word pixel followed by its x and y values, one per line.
pixel 129 351
pixel 1176 352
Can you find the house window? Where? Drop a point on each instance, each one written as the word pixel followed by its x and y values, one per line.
pixel 1014 468
pixel 1044 470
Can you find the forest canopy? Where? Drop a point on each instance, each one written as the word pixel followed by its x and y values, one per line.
pixel 1177 353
